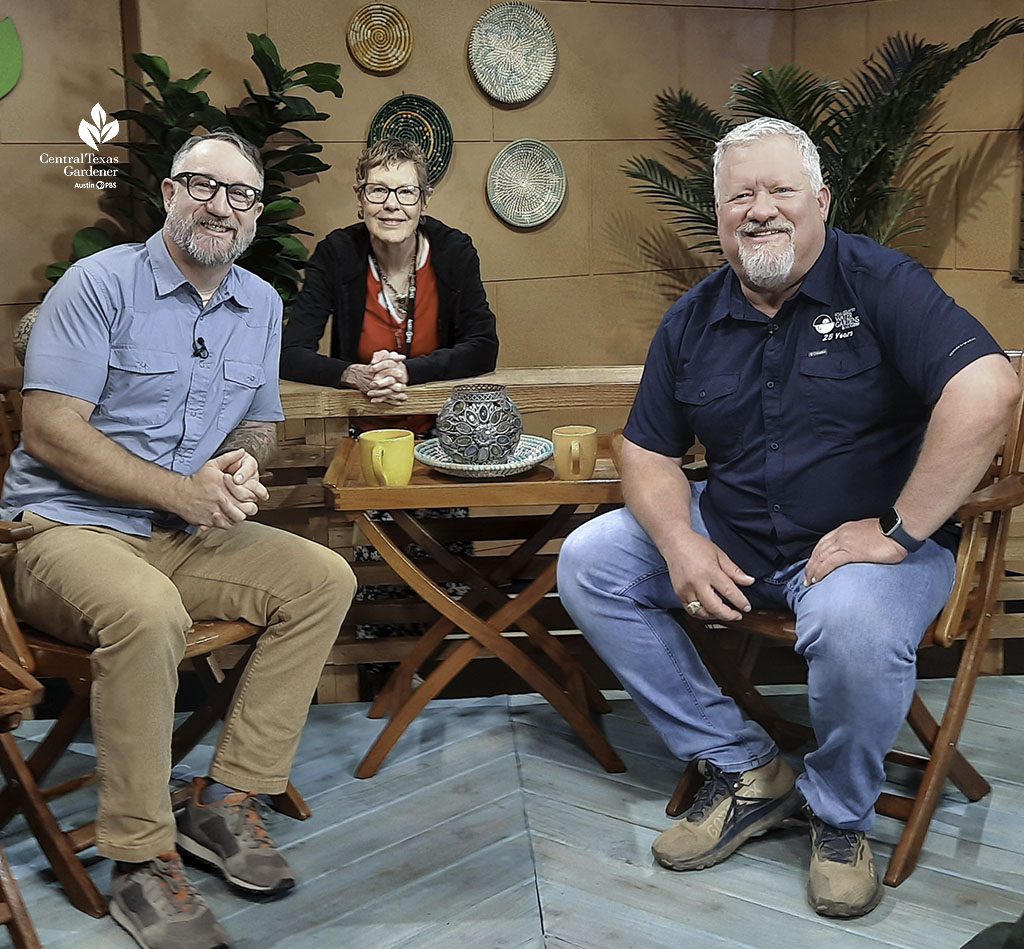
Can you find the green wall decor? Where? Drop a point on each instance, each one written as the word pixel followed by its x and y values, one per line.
pixel 10 56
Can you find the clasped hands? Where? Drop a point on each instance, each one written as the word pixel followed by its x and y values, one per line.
pixel 383 379
pixel 702 573
pixel 224 491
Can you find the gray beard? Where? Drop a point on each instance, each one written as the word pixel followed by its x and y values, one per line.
pixel 767 269
pixel 182 232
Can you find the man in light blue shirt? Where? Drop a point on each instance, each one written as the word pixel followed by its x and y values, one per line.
pixel 151 393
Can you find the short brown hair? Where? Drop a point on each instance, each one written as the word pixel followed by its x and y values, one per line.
pixel 390 152
pixel 220 135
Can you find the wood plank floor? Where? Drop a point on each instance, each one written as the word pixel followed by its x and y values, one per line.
pixel 491 826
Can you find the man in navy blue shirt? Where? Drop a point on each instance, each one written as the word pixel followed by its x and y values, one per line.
pixel 831 381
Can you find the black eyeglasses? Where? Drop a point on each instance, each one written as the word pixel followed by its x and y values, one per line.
pixel 407 195
pixel 202 187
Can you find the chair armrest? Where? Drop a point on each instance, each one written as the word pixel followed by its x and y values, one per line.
pixel 335 473
pixel 10 531
pixel 1004 494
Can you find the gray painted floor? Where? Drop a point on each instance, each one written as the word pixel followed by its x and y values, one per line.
pixel 490 826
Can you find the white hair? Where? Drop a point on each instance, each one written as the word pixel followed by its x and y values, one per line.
pixel 764 127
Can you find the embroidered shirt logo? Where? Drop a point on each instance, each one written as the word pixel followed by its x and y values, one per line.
pixel 824 324
pixel 836 325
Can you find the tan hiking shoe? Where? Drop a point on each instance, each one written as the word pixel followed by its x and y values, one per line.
pixel 729 808
pixel 843 880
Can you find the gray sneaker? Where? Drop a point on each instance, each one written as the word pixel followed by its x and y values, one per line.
pixel 230 836
pixel 160 907
pixel 843 880
pixel 728 809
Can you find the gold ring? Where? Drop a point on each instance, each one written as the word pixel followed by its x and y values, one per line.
pixel 693 607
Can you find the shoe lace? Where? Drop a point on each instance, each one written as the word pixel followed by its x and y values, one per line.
pixel 179 888
pixel 717 784
pixel 835 844
pixel 247 824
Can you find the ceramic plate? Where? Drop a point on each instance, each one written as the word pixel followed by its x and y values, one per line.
pixel 531 451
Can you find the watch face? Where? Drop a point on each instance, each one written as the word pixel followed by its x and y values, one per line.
pixel 889 520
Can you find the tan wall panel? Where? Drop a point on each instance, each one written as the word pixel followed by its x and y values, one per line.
pixel 936 179
pixel 612 61
pixel 437 68
pixel 814 28
pixel 718 44
pixel 69 49
pixel 559 247
pixel 988 94
pixel 988 202
pixel 43 210
pixel 328 199
pixel 802 5
pixel 577 321
pixel 738 4
pixel 625 224
pixel 993 298
pixel 195 34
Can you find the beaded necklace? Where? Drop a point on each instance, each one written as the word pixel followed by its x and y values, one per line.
pixel 404 305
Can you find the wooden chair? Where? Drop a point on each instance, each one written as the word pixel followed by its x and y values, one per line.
pixel 18 690
pixel 40 655
pixel 966 617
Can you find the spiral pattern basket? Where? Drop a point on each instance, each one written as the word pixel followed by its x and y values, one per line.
pixel 526 183
pixel 421 120
pixel 379 38
pixel 512 52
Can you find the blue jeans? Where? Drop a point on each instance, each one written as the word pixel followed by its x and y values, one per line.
pixel 858 629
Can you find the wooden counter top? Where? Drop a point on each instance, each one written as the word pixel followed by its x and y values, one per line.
pixel 532 389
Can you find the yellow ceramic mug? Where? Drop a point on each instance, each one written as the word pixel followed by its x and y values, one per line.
pixel 386 456
pixel 575 451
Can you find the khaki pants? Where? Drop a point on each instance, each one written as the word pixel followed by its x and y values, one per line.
pixel 132 599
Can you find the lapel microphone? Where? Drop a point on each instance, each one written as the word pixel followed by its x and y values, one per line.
pixel 199 350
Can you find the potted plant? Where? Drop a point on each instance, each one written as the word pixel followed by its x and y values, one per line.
pixel 871 131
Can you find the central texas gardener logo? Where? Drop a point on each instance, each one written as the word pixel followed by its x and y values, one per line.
pixel 98 131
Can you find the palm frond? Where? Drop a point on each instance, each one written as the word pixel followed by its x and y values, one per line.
pixel 790 92
pixel 869 130
pixel 689 201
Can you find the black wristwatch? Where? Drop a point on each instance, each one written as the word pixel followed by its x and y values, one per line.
pixel 891 524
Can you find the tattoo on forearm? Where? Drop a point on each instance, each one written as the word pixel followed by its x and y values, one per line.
pixel 257 438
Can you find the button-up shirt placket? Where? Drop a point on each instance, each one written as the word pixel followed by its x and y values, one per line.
pixel 200 381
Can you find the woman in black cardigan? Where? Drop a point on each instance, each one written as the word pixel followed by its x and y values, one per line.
pixel 405 291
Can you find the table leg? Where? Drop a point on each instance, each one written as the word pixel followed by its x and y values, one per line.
pixel 579 685
pixel 487 634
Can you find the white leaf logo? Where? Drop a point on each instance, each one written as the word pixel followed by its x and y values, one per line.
pixel 99 130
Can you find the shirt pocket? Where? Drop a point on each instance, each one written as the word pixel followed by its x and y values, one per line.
pixel 847 393
pixel 140 383
pixel 709 406
pixel 241 380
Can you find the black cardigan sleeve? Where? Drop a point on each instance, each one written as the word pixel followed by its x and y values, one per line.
pixel 307 318
pixel 468 326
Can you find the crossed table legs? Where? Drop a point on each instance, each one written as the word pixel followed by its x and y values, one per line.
pixel 576 698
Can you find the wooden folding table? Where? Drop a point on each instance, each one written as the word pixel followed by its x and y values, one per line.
pixel 537 505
